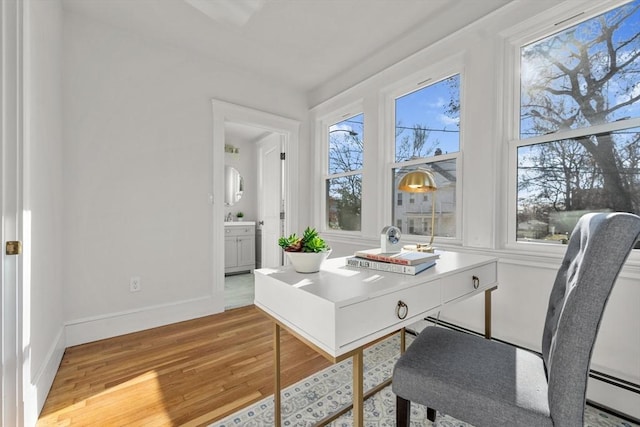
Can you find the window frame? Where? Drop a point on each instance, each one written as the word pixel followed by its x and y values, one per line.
pixel 538 28
pixel 322 152
pixel 438 72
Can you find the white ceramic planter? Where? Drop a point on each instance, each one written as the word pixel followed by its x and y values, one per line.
pixel 307 262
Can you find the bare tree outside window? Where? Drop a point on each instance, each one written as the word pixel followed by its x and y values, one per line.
pixel 587 76
pixel 344 182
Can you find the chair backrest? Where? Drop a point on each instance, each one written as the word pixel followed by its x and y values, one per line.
pixel 598 247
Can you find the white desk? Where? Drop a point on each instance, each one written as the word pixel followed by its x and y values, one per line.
pixel 341 310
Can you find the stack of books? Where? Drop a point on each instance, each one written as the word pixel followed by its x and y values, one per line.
pixel 405 262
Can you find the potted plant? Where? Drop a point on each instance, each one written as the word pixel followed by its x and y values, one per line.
pixel 240 216
pixel 306 253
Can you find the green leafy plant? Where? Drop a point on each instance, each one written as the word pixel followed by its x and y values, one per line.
pixel 309 242
pixel 291 244
pixel 240 215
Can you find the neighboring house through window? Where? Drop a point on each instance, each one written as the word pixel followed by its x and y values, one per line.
pixel 427 136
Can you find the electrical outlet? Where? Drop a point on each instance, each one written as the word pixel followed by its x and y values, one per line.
pixel 135 284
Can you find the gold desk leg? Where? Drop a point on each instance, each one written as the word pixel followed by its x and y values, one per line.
pixel 403 340
pixel 358 394
pixel 277 415
pixel 487 312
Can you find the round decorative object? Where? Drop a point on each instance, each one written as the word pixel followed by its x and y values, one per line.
pixel 307 262
pixel 402 309
pixel 476 282
pixel 390 239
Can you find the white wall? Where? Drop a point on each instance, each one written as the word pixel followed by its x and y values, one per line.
pixel 525 278
pixel 137 178
pixel 44 242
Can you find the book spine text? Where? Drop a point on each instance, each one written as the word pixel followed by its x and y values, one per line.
pixel 382 266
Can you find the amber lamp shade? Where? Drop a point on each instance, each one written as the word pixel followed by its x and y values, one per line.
pixel 419 181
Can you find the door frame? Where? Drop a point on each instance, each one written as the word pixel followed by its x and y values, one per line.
pixel 11 159
pixel 224 112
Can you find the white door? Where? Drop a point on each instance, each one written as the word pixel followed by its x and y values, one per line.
pixel 270 201
pixel 10 159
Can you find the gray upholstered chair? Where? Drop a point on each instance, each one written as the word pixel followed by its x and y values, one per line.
pixel 486 383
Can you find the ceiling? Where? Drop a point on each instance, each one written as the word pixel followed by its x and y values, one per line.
pixel 299 43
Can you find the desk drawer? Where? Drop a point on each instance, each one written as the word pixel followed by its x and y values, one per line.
pixel 373 315
pixel 462 283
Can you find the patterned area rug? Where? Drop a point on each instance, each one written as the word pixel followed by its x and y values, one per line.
pixel 314 398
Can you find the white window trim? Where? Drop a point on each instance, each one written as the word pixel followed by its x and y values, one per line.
pixel 433 74
pixel 322 152
pixel 539 27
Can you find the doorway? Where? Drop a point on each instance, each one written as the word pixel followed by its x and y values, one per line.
pixel 273 128
pixel 255 189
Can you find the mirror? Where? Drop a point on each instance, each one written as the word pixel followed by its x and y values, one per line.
pixel 234 186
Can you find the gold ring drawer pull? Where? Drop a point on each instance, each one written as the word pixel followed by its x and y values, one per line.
pixel 476 282
pixel 402 310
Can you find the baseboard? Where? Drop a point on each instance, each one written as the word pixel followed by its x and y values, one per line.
pixel 611 397
pixel 605 392
pixel 42 381
pixel 86 330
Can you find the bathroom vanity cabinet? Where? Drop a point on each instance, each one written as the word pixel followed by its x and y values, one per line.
pixel 239 247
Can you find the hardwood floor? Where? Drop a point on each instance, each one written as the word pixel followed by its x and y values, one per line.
pixel 189 373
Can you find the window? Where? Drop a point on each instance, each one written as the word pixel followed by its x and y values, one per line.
pixel 427 136
pixel 344 175
pixel 578 144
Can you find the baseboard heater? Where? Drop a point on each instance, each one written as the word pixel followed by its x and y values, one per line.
pixel 597 375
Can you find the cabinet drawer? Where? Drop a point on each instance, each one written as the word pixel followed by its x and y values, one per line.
pixel 239 230
pixel 370 316
pixel 462 283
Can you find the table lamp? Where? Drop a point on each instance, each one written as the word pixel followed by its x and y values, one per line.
pixel 422 181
